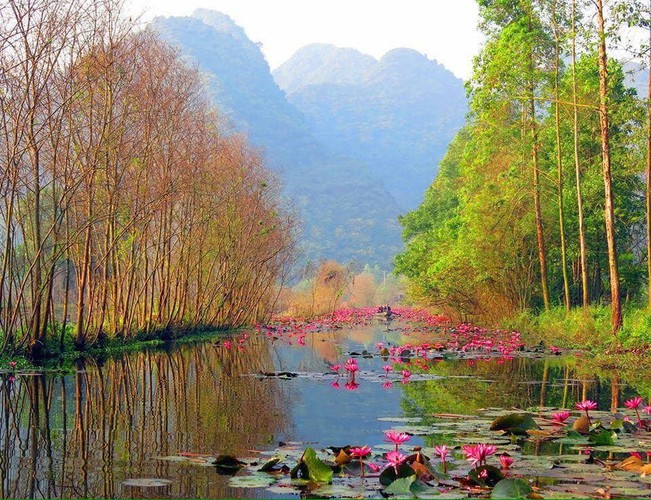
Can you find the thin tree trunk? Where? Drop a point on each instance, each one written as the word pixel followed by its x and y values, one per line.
pixel 542 253
pixel 559 164
pixel 616 311
pixel 585 287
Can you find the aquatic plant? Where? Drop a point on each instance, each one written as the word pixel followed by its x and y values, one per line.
pixel 396 437
pixel 361 453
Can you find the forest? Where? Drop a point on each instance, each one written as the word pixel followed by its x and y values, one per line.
pixel 542 202
pixel 129 207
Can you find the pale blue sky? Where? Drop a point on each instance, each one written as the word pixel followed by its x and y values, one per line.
pixel 444 30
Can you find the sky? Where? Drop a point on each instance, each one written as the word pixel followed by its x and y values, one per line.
pixel 444 30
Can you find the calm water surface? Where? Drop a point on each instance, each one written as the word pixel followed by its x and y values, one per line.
pixel 83 435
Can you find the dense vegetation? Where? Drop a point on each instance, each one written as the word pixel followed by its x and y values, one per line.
pixel 539 202
pixel 126 207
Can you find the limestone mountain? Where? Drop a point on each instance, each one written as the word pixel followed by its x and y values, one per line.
pixel 397 115
pixel 348 214
pixel 355 141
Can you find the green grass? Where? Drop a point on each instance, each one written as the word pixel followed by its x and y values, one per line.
pixel 584 328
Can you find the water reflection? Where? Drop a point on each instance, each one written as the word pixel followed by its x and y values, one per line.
pixel 84 434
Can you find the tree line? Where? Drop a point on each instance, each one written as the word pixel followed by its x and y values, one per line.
pixel 128 206
pixel 541 198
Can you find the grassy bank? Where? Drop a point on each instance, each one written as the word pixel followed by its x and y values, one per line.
pixel 585 328
pixel 63 357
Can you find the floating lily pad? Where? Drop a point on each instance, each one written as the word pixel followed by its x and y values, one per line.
pixel 252 481
pixel 514 423
pixel 511 488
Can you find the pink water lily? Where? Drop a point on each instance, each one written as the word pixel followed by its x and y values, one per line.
pixel 396 437
pixel 351 366
pixel 387 368
pixel 12 364
pixel 360 452
pixel 586 406
pixel 374 467
pixel 477 454
pixel 634 404
pixel 335 367
pixel 506 461
pixel 442 451
pixel 406 374
pixel 560 417
pixel 395 458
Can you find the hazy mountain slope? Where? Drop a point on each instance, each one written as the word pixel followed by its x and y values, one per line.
pixel 397 115
pixel 348 214
pixel 322 63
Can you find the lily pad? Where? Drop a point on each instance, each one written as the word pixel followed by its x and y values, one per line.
pixel 401 487
pixel 514 423
pixel 252 481
pixel 317 470
pixel 511 488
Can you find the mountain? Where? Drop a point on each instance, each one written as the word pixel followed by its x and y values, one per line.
pixel 397 115
pixel 348 213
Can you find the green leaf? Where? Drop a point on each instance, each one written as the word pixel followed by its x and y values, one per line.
pixel 389 475
pixel 318 471
pixel 514 423
pixel 493 475
pixel 511 488
pixel 603 437
pixel 401 487
pixel 269 465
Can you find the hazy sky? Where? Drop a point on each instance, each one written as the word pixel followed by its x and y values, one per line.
pixel 444 30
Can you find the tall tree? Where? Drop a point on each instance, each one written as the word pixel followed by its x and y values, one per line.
pixel 616 306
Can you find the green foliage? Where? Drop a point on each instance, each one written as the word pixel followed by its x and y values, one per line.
pixel 471 246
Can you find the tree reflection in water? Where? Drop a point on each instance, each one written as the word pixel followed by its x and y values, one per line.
pixel 82 435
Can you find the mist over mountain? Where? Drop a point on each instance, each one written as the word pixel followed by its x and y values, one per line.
pixel 348 135
pixel 397 115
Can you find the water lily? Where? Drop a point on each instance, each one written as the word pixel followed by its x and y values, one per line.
pixel 477 454
pixel 351 366
pixel 560 417
pixel 335 368
pixel 360 452
pixel 442 451
pixel 396 458
pixel 406 374
pixel 387 368
pixel 335 384
pixel 387 385
pixel 12 364
pixel 374 467
pixel 227 344
pixel 396 437
pixel 506 461
pixel 586 406
pixel 634 404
